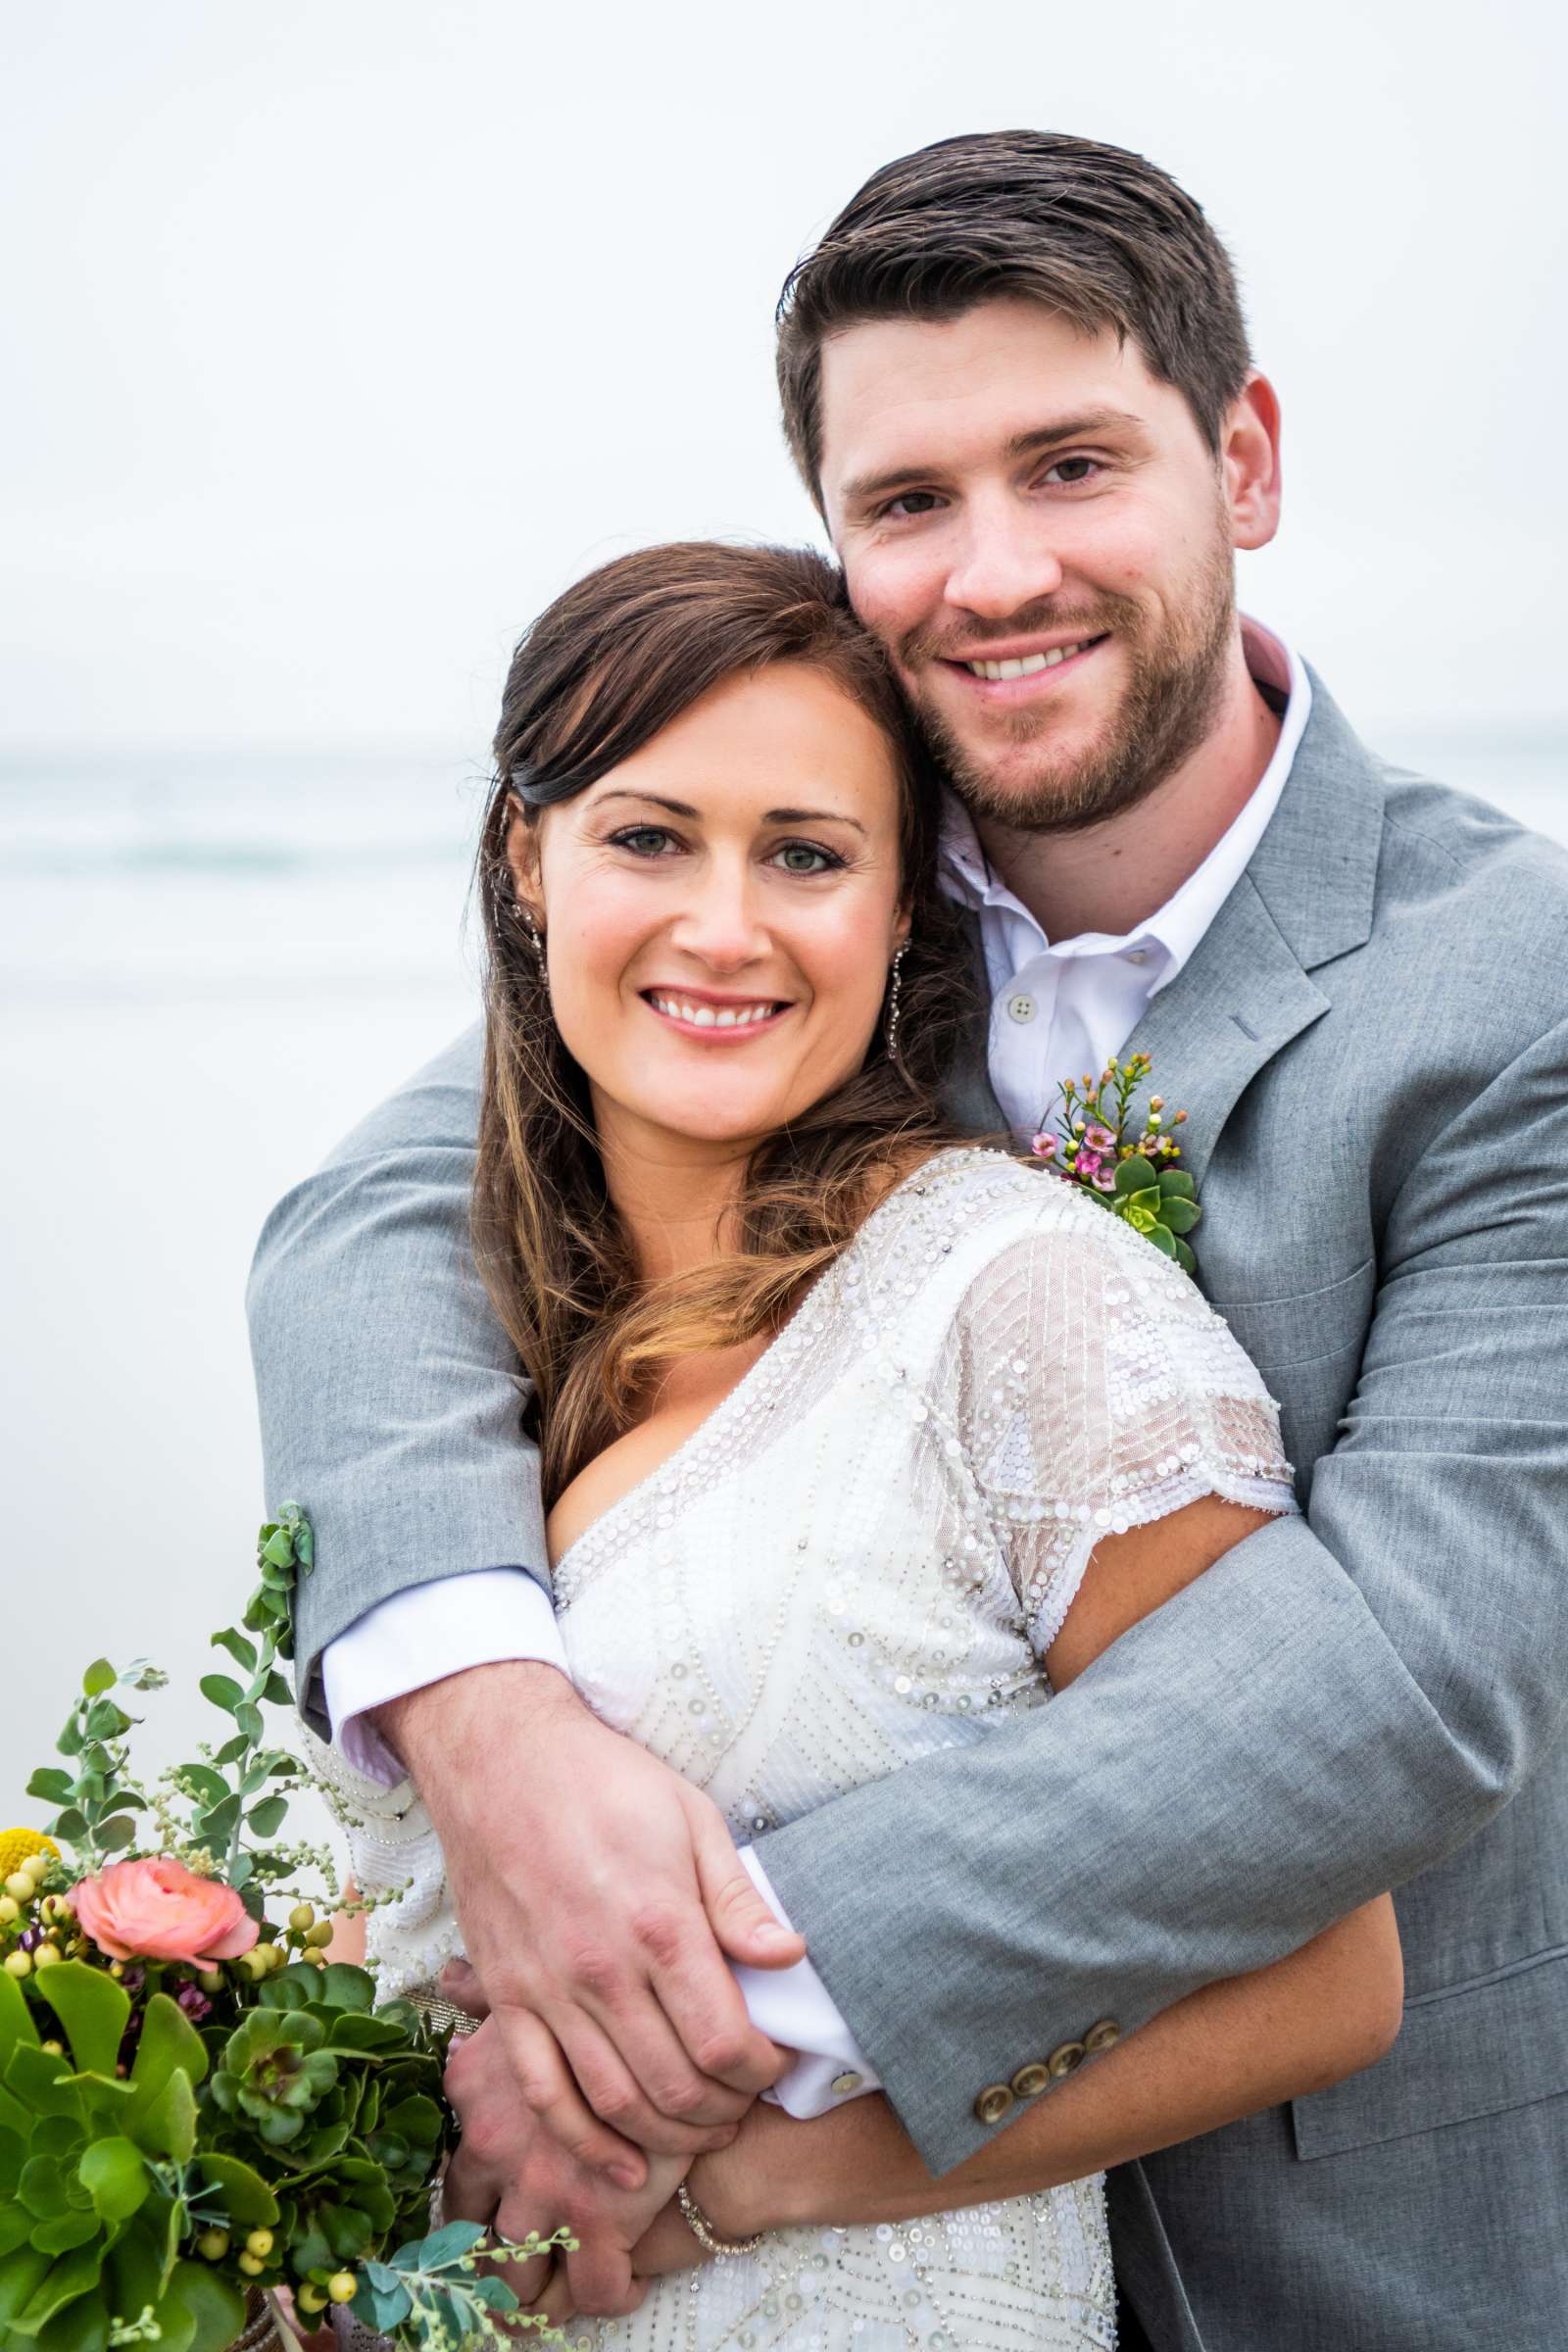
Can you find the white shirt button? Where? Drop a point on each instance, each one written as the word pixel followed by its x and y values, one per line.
pixel 1138 955
pixel 843 2084
pixel 1021 1008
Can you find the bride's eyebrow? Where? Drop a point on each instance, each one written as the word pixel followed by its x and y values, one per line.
pixel 811 816
pixel 655 800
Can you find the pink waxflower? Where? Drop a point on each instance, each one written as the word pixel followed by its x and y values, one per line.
pixel 1105 1181
pixel 1100 1138
pixel 1089 1162
pixel 1042 1146
pixel 159 1910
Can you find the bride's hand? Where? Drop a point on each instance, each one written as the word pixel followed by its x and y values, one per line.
pixel 599 1896
pixel 509 2175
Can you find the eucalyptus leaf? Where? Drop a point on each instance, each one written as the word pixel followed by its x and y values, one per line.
pixel 243 1653
pixel 223 1690
pixel 100 1676
pixel 249 1719
pixel 71 1825
pixel 268 1816
pixel 52 1784
pixel 116 1833
pixel 276 1691
pixel 105 1721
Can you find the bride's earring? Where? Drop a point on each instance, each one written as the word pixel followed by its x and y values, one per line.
pixel 895 992
pixel 534 939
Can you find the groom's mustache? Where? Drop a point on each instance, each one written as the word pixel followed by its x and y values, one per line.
pixel 1110 617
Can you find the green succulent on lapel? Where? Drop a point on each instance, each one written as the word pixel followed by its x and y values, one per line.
pixel 1126 1161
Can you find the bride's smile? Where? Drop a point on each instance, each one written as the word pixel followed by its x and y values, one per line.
pixel 719 915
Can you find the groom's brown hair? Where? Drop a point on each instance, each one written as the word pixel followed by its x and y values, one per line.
pixel 1098 234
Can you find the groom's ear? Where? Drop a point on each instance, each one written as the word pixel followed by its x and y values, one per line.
pixel 1249 464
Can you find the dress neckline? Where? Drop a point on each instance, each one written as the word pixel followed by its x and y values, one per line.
pixel 797 1331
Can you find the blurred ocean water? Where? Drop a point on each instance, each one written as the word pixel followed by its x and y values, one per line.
pixel 209 970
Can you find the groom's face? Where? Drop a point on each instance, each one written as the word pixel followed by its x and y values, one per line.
pixel 1038 531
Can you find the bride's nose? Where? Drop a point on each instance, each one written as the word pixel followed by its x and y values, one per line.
pixel 719 920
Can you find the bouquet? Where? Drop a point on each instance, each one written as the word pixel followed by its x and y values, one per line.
pixel 198 2105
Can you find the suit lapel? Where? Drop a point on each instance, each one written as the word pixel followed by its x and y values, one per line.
pixel 1241 996
pixel 1305 897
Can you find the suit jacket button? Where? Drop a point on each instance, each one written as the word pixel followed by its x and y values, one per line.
pixel 993 2103
pixel 1103 2037
pixel 1065 2060
pixel 1031 2080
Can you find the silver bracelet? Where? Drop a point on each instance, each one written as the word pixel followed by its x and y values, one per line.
pixel 697 2222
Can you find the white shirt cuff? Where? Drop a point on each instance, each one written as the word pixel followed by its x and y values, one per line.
pixel 792 2007
pixel 421 1636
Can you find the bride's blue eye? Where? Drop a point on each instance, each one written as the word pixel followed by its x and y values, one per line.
pixel 643 841
pixel 805 857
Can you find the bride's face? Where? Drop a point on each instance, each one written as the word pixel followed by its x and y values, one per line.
pixel 720 911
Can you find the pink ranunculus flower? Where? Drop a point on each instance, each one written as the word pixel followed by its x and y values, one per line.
pixel 159 1910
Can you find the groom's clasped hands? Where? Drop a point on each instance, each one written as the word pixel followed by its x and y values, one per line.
pixel 616 2047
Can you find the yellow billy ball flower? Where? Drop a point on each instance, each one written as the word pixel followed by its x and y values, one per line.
pixel 17 1847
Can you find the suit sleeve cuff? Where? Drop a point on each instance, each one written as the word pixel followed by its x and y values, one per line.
pixel 423 1634
pixel 793 2006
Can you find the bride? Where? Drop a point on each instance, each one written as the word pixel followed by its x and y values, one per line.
pixel 857 1438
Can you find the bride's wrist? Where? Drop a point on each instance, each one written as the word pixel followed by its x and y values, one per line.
pixel 748 2187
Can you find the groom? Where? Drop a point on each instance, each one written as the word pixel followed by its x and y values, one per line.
pixel 1016 382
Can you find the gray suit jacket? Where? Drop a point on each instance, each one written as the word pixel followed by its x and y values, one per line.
pixel 1372 1041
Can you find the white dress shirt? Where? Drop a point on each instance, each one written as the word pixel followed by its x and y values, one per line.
pixel 1057 1009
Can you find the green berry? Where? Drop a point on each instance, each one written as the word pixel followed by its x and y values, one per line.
pixel 258 2243
pixel 322 1934
pixel 342 2286
pixel 213 2244
pixel 252 2266
pixel 302 1916
pixel 18 1964
pixel 19 1887
pixel 310 2298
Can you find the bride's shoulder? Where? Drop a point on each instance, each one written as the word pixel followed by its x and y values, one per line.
pixel 1009 1226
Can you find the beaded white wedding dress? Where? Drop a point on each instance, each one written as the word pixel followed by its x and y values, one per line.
pixel 860 1557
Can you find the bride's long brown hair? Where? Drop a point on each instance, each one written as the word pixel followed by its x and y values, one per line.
pixel 610 663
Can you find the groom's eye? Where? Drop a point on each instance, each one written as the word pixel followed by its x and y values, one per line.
pixel 1069 472
pixel 911 502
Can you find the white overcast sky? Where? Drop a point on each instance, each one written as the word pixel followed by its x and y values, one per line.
pixel 337 334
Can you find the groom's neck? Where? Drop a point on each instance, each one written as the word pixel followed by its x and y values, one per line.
pixel 1110 878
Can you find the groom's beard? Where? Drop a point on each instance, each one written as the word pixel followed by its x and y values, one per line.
pixel 1175 684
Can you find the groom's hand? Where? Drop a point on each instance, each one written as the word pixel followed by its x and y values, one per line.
pixel 599 1896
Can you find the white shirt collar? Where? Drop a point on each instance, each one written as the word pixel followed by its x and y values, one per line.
pixel 1175 930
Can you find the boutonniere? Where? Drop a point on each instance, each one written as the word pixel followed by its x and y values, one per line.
pixel 1130 1168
